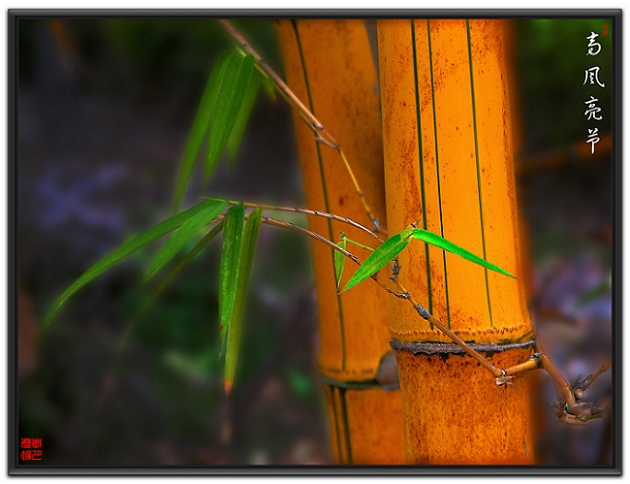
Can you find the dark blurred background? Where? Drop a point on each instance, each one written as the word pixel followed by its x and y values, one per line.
pixel 104 110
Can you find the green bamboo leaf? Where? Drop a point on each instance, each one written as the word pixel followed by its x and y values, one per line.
pixel 238 72
pixel 183 234
pixel 249 96
pixel 232 240
pixel 594 293
pixel 250 235
pixel 128 248
pixel 378 259
pixel 270 87
pixel 200 126
pixel 442 243
pixel 168 279
pixel 340 259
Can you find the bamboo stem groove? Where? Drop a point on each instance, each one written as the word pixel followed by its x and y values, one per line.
pixel 328 64
pixel 447 148
pixel 448 162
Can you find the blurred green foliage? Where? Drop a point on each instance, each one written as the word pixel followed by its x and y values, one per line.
pixel 180 47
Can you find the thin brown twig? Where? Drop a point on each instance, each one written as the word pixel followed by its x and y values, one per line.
pixel 584 385
pixel 321 135
pixel 564 389
pixel 375 223
pixel 540 360
pixel 316 236
pixel 532 363
pixel 316 213
pixel 424 313
pixel 312 120
pixel 570 409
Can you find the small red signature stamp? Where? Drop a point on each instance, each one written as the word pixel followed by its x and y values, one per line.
pixel 30 448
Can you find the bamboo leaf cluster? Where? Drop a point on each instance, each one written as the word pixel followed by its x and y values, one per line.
pixel 397 243
pixel 224 109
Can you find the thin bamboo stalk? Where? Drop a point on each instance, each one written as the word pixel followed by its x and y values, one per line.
pixel 448 162
pixel 329 66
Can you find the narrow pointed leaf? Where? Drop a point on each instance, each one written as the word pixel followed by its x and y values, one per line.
pixel 340 259
pixel 270 87
pixel 442 243
pixel 183 234
pixel 239 70
pixel 592 294
pixel 250 234
pixel 232 240
pixel 200 127
pixel 249 96
pixel 128 248
pixel 174 272
pixel 378 259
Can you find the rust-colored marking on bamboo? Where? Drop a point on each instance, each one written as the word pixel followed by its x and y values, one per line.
pixel 342 89
pixel 342 73
pixel 453 84
pixel 458 416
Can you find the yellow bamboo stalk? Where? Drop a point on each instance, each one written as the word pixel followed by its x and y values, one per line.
pixel 329 66
pixel 449 163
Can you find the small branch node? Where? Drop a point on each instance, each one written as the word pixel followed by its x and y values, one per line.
pixel 323 141
pixel 578 414
pixel 504 379
pixel 395 270
pixel 422 311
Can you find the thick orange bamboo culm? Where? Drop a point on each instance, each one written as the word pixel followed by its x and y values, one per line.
pixel 329 65
pixel 449 166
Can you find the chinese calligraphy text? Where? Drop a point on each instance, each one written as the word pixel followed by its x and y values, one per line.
pixel 591 78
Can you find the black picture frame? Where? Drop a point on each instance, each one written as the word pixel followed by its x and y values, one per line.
pixel 14 214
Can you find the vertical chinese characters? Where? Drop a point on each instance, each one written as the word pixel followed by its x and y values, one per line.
pixel 591 77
